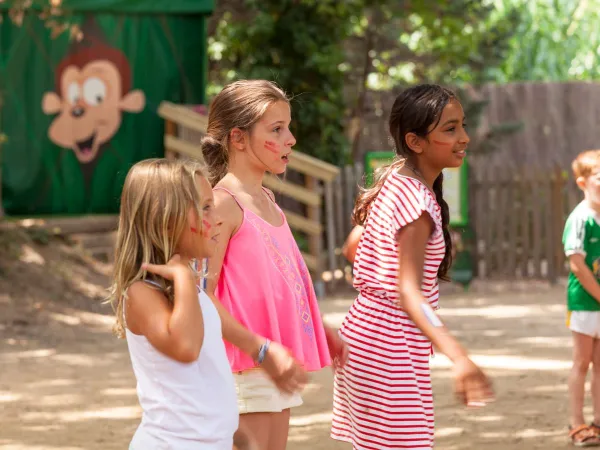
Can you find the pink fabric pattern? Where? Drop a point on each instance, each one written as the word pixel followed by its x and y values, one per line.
pixel 265 284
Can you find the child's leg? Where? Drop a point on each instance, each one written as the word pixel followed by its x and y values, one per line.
pixel 583 347
pixel 259 427
pixel 280 427
pixel 269 430
pixel 596 381
pixel 242 440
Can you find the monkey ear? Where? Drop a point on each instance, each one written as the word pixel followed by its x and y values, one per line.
pixel 133 102
pixel 51 103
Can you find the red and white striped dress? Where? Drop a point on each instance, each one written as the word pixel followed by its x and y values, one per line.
pixel 383 397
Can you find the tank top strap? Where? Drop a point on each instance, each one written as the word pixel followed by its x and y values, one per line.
pixel 270 195
pixel 220 188
pixel 153 283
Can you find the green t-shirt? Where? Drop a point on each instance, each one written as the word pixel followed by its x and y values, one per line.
pixel 582 235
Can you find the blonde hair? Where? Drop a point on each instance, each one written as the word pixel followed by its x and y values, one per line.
pixel 585 163
pixel 239 105
pixel 155 203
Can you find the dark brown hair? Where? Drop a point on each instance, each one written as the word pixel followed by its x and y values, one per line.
pixel 239 105
pixel 416 110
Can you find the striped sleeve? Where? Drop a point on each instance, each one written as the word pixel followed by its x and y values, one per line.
pixel 407 200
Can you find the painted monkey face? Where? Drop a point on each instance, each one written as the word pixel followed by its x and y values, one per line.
pixel 90 107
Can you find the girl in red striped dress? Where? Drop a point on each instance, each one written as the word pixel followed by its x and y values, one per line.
pixel 383 397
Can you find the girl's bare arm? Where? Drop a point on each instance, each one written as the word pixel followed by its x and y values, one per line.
pixel 351 244
pixel 176 331
pixel 412 240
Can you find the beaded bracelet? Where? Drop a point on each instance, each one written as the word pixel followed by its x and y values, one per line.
pixel 262 352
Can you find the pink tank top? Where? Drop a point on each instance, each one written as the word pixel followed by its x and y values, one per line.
pixel 266 286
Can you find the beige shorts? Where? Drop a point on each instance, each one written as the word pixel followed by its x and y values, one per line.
pixel 257 393
pixel 584 322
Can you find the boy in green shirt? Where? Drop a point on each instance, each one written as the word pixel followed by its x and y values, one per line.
pixel 581 241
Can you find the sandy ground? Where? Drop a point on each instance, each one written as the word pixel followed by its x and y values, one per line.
pixel 66 383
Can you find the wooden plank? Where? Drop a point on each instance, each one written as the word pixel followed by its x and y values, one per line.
pixel 537 210
pixel 170 131
pixel 349 197
pixel 174 144
pixel 514 209
pixel 329 220
pixel 183 116
pixel 359 176
pixel 524 241
pixel 340 219
pixel 502 240
pixel 488 185
pixel 300 223
pixel 309 165
pixel 72 225
pixel 555 251
pixel 315 243
pixel 476 207
pixel 302 194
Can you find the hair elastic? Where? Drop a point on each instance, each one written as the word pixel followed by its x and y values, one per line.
pixel 431 316
pixel 204 274
pixel 262 352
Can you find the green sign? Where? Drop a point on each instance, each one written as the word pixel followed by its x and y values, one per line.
pixel 455 185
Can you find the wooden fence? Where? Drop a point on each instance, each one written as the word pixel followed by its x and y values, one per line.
pixel 518 218
pixel 184 131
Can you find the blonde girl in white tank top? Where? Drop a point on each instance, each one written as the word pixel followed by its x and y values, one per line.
pixel 174 330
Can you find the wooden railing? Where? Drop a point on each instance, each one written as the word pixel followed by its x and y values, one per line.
pixel 184 130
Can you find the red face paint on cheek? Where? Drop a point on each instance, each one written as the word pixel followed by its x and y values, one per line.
pixel 444 144
pixel 272 146
pixel 193 230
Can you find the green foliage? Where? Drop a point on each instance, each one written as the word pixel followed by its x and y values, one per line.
pixel 433 41
pixel 556 40
pixel 298 44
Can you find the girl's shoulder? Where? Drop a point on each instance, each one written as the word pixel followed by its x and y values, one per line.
pixel 403 194
pixel 407 187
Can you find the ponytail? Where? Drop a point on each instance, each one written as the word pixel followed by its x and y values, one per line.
pixel 367 195
pixel 439 196
pixel 216 158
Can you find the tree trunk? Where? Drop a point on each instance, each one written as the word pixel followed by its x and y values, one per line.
pixel 356 119
pixel 1 142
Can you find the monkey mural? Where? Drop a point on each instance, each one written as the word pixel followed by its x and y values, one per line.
pixel 92 91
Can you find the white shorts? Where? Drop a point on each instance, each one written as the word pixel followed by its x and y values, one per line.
pixel 257 393
pixel 584 322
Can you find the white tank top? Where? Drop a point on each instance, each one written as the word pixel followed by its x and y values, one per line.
pixel 186 406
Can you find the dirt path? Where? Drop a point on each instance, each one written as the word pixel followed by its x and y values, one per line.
pixel 66 384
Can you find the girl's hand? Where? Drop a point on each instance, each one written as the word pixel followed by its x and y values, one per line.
pixel 175 267
pixel 471 385
pixel 283 369
pixel 338 349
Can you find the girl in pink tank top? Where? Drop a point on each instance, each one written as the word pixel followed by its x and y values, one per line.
pixel 258 272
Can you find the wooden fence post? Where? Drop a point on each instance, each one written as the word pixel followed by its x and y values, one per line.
pixel 315 242
pixel 556 254
pixel 2 138
pixel 330 228
pixel 170 130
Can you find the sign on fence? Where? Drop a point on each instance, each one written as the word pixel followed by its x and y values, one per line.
pixel 455 185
